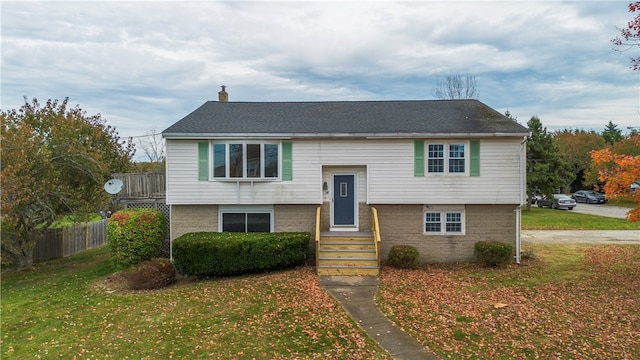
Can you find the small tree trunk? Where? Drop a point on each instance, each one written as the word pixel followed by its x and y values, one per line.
pixel 25 261
pixel 20 247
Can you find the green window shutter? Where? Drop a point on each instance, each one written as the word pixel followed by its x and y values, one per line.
pixel 418 158
pixel 474 157
pixel 203 161
pixel 287 166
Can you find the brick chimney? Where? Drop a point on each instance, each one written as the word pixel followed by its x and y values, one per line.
pixel 222 95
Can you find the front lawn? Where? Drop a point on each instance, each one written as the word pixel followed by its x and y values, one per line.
pixel 549 219
pixel 574 302
pixel 71 308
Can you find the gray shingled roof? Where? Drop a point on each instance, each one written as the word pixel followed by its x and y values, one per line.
pixel 345 118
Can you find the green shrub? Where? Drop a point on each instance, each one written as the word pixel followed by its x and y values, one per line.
pixel 493 253
pixel 227 253
pixel 404 257
pixel 135 235
pixel 528 255
pixel 151 274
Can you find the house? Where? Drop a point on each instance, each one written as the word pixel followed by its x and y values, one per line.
pixel 440 174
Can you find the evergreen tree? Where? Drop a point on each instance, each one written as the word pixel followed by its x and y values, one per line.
pixel 547 171
pixel 611 133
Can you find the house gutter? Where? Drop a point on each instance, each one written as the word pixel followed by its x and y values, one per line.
pixel 413 135
pixel 518 209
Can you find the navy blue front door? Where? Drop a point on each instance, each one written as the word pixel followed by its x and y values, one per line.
pixel 344 200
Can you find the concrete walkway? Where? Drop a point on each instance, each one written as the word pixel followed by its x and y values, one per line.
pixel 356 294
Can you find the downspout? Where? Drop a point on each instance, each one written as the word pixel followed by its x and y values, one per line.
pixel 170 233
pixel 518 209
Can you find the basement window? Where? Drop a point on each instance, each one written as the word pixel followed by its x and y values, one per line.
pixel 245 220
pixel 444 220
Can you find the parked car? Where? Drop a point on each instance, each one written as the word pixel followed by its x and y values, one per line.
pixel 558 201
pixel 536 196
pixel 589 197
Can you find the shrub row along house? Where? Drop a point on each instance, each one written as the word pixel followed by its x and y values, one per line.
pixel 441 174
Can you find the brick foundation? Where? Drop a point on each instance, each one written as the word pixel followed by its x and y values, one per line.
pixel 403 225
pixel 399 225
pixel 193 218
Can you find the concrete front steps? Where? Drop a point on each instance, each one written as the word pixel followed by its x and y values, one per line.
pixel 347 254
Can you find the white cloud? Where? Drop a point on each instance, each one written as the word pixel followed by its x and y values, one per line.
pixel 148 64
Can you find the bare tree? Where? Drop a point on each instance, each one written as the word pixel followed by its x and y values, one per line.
pixel 456 87
pixel 152 144
pixel 629 37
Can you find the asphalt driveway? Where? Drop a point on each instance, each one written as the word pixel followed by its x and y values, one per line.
pixel 602 210
pixel 581 236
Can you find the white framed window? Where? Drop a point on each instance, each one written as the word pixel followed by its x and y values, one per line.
pixel 239 160
pixel 447 158
pixel 435 158
pixel 444 220
pixel 245 219
pixel 457 163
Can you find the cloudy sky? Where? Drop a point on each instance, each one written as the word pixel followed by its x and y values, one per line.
pixel 144 65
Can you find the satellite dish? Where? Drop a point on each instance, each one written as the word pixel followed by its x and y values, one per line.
pixel 113 186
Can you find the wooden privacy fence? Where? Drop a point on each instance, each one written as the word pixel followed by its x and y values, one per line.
pixel 67 241
pixel 141 185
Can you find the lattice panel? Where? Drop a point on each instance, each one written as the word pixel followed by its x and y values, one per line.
pixel 163 208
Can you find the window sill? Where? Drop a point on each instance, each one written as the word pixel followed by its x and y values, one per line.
pixel 446 174
pixel 247 180
pixel 443 234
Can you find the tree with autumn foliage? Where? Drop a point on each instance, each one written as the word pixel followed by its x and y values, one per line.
pixel 618 172
pixel 627 146
pixel 629 37
pixel 55 160
pixel 575 147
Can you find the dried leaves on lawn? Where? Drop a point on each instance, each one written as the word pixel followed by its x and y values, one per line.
pixel 280 315
pixel 511 314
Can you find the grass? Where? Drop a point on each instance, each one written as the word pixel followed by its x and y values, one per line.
pixel 548 219
pixel 69 220
pixel 573 302
pixel 75 307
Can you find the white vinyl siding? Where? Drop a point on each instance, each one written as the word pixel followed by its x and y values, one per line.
pixel 391 179
pixel 388 169
pixel 184 188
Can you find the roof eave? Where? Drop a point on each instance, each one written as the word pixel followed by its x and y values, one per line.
pixel 413 135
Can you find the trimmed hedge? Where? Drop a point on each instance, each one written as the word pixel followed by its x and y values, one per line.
pixel 135 235
pixel 404 257
pixel 493 253
pixel 229 253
